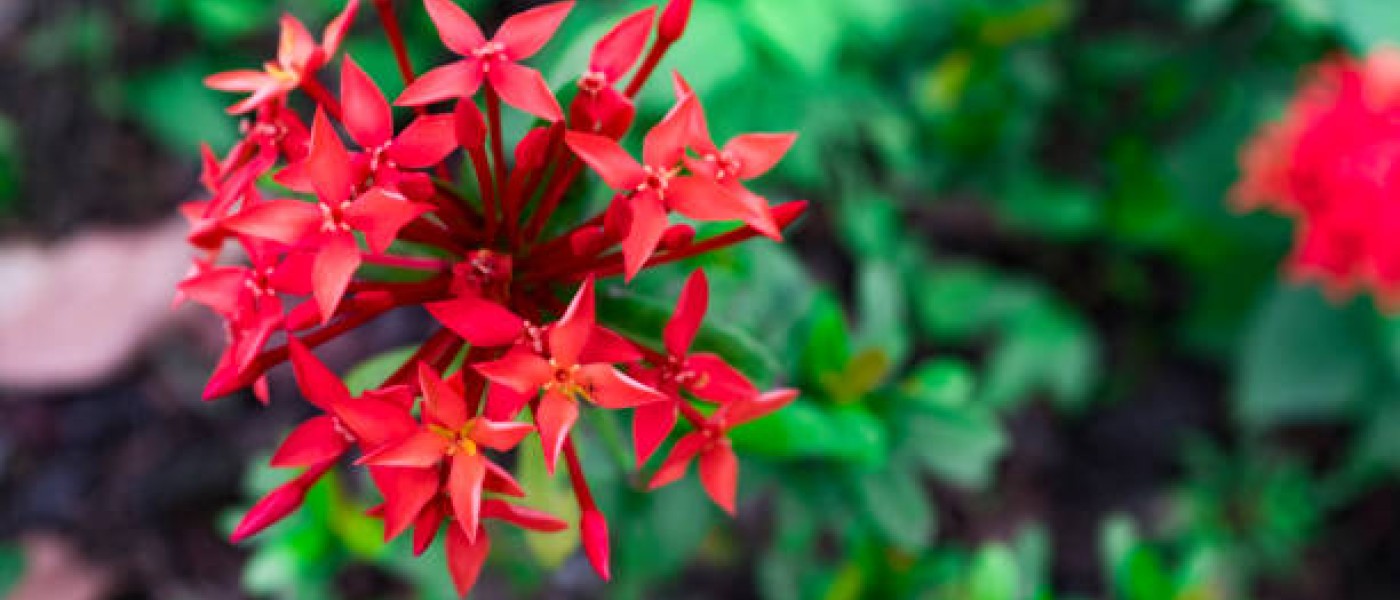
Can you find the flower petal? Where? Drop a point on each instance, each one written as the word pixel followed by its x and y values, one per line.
pixel 366 113
pixel 314 441
pixel 664 145
pixel 322 388
pixel 466 556
pixel 464 489
pixel 719 473
pixel 479 321
pixel 651 424
pixel 500 435
pixel 594 529
pixel 407 495
pixel 460 79
pixel 570 333
pixel 618 169
pixel 335 266
pixel 618 50
pixel 328 163
pixel 690 311
pixel 557 414
pixel 381 214
pixel 442 405
pixel 764 404
pixel 648 224
pixel 425 142
pixel 525 33
pixel 758 152
pixel 421 449
pixel 520 369
pixel 610 388
pixel 525 89
pixel 520 516
pixel 717 381
pixel 458 30
pixel 285 221
pixel 673 468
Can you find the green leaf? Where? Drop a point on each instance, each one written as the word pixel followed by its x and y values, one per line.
pixel 944 382
pixel 862 436
pixel 883 317
pixel 1043 348
pixel 372 372
pixel 865 372
pixel 895 503
pixel 828 347
pixel 11 567
pixel 173 104
pixel 551 494
pixel 1368 24
pixel 804 32
pixel 224 20
pixel 801 429
pixel 959 445
pixel 995 575
pixel 1303 359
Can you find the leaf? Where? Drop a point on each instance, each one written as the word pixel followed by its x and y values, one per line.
pixel 865 371
pixel 894 501
pixel 944 382
pixel 959 445
pixel 550 494
pixel 827 350
pixel 995 575
pixel 804 32
pixel 1302 359
pixel 372 372
pixel 1368 24
pixel 178 110
pixel 883 316
pixel 801 429
pixel 862 436
pixel 1046 349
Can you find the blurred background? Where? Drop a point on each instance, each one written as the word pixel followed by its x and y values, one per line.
pixel 1040 357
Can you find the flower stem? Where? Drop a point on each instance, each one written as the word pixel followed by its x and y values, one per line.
pixel 390 21
pixel 407 262
pixel 498 154
pixel 322 96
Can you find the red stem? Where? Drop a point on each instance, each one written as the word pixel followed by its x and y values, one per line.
pixel 498 154
pixel 390 21
pixel 653 59
pixel 323 98
pixel 558 186
pixel 407 262
pixel 576 478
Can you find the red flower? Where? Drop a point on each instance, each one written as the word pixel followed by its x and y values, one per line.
pixel 563 376
pixel 298 57
pixel 495 61
pixel 1333 164
pixel 357 233
pixel 719 469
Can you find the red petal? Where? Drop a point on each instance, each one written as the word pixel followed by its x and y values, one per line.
pixel 470 125
pixel 367 114
pixel 426 527
pixel 520 516
pixel 335 266
pixel 743 412
pixel 702 199
pixel 277 504
pixel 285 221
pixel 500 436
pixel 665 143
pixel 314 441
pixel 719 473
pixel 525 89
pixel 328 164
pixel 649 223
pixel 520 369
pixel 569 335
pixel 408 494
pixel 610 388
pixel 459 32
pixel 219 288
pixel 594 529
pixel 464 489
pixel 651 423
pixel 525 33
pixel 425 142
pixel 718 382
pixel 375 422
pixel 556 416
pixel 465 557
pixel 381 214
pixel 421 450
pixel 239 81
pixel 321 387
pixel 677 461
pixel 673 20
pixel 335 30
pixel 479 321
pixel 500 481
pixel 617 51
pixel 295 44
pixel 608 159
pixel 442 405
pixel 758 152
pixel 690 310
pixel 460 79
pixel 504 403
pixel 604 346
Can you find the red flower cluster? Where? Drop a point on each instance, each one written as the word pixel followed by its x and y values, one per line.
pixel 512 291
pixel 1333 164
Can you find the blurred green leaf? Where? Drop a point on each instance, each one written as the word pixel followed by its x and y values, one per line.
pixel 880 302
pixel 551 494
pixel 961 445
pixel 174 105
pixel 1302 359
pixel 940 383
pixel 895 502
pixel 828 340
pixel 372 372
pixel 995 575
pixel 1042 348
pixel 804 32
pixel 1368 24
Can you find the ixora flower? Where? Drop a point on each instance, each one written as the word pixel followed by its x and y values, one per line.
pixel 296 212
pixel 1332 163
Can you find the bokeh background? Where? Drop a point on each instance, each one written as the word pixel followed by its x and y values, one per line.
pixel 1040 356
